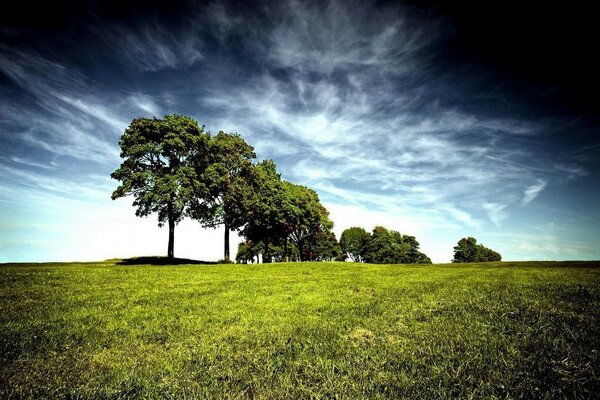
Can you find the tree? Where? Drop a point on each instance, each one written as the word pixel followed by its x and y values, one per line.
pixel 266 209
pixel 353 242
pixel 390 247
pixel 467 250
pixel 247 252
pixel 423 259
pixel 385 247
pixel 326 247
pixel 223 190
pixel 155 168
pixel 305 217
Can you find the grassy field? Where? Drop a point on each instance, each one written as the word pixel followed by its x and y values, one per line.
pixel 306 330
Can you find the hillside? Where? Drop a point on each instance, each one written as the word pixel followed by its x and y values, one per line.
pixel 298 330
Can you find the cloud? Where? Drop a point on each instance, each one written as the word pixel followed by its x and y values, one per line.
pixel 350 98
pixel 152 47
pixel 30 163
pixel 325 37
pixel 532 191
pixel 61 111
pixel 146 104
pixel 496 212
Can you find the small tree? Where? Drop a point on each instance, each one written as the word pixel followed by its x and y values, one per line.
pixel 156 170
pixel 467 250
pixel 353 242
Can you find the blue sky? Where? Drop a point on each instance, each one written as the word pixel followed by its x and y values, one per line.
pixel 423 118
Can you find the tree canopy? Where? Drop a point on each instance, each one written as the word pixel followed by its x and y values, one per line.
pixel 305 218
pixel 467 250
pixel 382 246
pixel 353 243
pixel 287 219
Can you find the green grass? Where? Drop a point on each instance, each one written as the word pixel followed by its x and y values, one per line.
pixel 306 330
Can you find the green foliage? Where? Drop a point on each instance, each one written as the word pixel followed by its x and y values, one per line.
pixel 173 168
pixel 391 247
pixel 386 247
pixel 225 176
pixel 468 250
pixel 305 218
pixel 156 167
pixel 310 330
pixel 422 258
pixel 326 247
pixel 353 243
pixel 267 206
pixel 223 192
pixel 245 253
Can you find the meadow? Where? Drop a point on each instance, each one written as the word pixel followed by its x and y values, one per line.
pixel 300 330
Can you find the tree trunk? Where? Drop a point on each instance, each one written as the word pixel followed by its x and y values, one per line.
pixel 285 249
pixel 170 250
pixel 226 249
pixel 300 246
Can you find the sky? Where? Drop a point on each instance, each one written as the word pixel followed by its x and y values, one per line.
pixel 440 120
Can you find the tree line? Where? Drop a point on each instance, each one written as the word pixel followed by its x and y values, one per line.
pixel 176 169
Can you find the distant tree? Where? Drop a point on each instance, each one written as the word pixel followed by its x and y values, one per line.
pixel 390 247
pixel 353 243
pixel 247 252
pixel 385 247
pixel 305 218
pixel 423 259
pixel 155 168
pixel 326 247
pixel 467 250
pixel 266 209
pixel 223 177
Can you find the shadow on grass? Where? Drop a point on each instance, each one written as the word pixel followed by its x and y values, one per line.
pixel 161 261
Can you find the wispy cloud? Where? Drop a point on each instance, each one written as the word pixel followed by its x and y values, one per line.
pixel 532 191
pixel 349 98
pixel 146 104
pixel 70 115
pixel 496 212
pixel 149 46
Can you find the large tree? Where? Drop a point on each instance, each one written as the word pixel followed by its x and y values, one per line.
pixel 156 170
pixel 223 188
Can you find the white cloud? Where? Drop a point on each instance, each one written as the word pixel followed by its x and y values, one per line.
pixel 98 111
pixel 496 212
pixel 532 191
pixel 341 98
pixel 146 104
